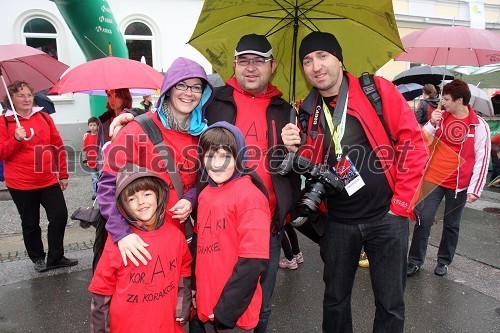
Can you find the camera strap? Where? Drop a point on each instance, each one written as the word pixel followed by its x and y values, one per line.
pixel 336 123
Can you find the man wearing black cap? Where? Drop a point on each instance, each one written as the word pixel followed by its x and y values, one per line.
pixel 381 170
pixel 255 106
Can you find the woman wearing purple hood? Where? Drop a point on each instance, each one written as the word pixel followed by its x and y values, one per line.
pixel 184 96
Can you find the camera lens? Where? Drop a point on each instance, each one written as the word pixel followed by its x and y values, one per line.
pixel 310 201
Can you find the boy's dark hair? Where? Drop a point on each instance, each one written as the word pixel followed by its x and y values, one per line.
pixel 217 138
pixel 144 184
pixel 92 120
pixel 458 89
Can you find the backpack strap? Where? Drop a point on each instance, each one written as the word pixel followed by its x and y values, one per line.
pixel 151 129
pixel 154 133
pixel 370 89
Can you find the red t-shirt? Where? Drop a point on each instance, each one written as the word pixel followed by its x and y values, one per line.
pixel 91 149
pixel 252 121
pixel 448 154
pixel 144 298
pixel 233 221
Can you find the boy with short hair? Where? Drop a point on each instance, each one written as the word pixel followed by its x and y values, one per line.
pixel 233 235
pixel 91 150
pixel 145 298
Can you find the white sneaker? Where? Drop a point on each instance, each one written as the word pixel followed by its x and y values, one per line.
pixel 299 258
pixel 290 264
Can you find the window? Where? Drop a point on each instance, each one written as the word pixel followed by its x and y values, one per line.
pixel 139 39
pixel 41 34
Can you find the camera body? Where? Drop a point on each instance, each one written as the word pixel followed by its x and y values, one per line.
pixel 321 180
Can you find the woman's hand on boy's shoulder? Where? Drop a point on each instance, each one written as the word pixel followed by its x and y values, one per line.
pixel 181 210
pixel 134 248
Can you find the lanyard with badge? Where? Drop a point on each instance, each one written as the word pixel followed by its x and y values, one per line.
pixel 344 168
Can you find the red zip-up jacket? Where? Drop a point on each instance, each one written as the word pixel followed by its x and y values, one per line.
pixel 474 151
pixel 33 164
pixel 404 160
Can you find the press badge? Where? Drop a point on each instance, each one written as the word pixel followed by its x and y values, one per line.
pixel 346 171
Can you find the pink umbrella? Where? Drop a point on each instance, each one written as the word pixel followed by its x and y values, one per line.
pixel 452 46
pixel 108 73
pixel 21 62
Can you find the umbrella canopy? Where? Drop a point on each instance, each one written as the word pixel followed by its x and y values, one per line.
pixel 45 102
pixel 480 101
pixel 108 73
pixel 423 75
pixel 410 91
pixel 21 62
pixel 452 46
pixel 366 30
pixel 215 80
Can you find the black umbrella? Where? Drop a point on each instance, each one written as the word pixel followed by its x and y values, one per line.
pixel 410 91
pixel 45 102
pixel 423 75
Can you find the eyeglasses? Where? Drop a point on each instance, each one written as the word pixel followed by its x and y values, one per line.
pixel 196 89
pixel 257 61
pixel 23 96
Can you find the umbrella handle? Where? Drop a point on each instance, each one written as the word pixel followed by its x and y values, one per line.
pixel 31 136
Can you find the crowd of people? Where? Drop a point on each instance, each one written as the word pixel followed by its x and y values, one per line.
pixel 226 146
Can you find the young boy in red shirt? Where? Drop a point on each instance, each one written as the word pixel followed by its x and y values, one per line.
pixel 145 298
pixel 91 150
pixel 232 235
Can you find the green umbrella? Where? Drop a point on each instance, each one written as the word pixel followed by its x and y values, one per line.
pixel 366 30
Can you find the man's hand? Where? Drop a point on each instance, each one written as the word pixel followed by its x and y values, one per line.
pixel 181 210
pixel 133 248
pixel 118 123
pixel 20 133
pixel 471 197
pixel 63 183
pixel 290 134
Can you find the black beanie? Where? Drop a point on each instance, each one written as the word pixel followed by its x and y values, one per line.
pixel 320 41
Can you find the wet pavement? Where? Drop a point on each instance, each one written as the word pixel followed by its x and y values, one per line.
pixel 466 300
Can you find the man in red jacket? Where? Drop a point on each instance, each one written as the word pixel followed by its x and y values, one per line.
pixel 36 174
pixel 380 177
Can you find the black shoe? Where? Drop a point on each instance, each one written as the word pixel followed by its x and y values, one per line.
pixel 40 266
pixel 93 197
pixel 412 269
pixel 64 262
pixel 441 269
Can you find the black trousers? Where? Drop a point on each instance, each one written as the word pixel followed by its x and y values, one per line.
pixel 28 205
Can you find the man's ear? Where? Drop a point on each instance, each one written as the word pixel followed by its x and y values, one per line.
pixel 274 64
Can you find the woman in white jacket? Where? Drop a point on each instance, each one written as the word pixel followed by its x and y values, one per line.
pixel 459 146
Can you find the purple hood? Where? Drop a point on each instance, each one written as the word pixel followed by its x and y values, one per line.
pixel 182 69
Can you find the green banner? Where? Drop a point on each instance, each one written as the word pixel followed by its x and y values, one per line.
pixel 94 27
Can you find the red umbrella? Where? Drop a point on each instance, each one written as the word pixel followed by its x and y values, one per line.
pixel 108 73
pixel 21 62
pixel 452 46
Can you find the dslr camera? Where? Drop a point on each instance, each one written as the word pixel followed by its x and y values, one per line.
pixel 321 180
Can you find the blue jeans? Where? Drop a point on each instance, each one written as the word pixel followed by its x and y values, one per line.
pixel 386 243
pixel 94 177
pixel 268 281
pixel 453 209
